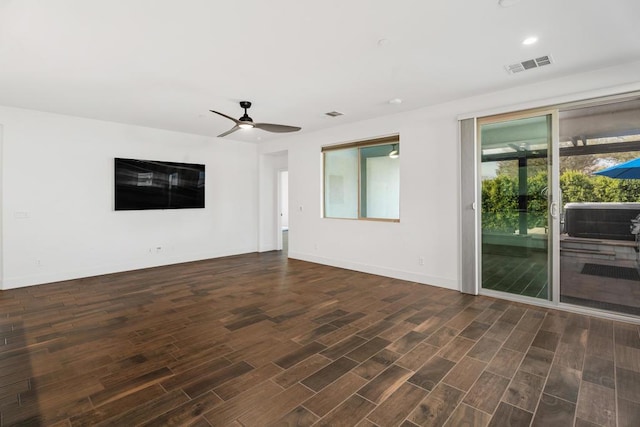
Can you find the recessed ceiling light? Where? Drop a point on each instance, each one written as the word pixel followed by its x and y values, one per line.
pixel 529 40
pixel 395 101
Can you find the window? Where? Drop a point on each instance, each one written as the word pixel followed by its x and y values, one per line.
pixel 362 180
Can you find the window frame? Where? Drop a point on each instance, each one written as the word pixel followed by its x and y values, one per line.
pixel 385 140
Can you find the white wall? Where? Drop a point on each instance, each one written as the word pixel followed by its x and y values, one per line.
pixel 391 249
pixel 57 211
pixel 424 246
pixel 383 187
pixel 57 201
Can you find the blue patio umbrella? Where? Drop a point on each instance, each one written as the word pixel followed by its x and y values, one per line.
pixel 626 170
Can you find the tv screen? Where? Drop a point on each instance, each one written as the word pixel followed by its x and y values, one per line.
pixel 150 184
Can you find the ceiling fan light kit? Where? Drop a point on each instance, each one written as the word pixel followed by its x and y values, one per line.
pixel 246 122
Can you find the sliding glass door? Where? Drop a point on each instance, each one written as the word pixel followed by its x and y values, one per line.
pixel 516 253
pixel 600 182
pixel 550 205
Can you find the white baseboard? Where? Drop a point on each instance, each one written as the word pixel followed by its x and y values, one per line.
pixel 51 277
pixel 138 264
pixel 380 271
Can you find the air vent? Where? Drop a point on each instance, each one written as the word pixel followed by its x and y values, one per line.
pixel 528 64
pixel 334 113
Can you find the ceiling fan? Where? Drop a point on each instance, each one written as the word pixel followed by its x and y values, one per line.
pixel 246 122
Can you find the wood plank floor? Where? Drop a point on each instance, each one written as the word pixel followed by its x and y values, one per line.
pixel 516 273
pixel 259 340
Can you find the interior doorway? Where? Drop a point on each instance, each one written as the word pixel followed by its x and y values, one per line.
pixel 1 222
pixel 283 211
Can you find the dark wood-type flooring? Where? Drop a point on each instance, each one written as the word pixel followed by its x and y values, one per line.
pixel 259 340
pixel 516 272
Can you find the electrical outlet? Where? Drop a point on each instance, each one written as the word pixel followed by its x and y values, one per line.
pixel 420 261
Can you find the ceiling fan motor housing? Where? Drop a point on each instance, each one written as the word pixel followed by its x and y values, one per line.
pixel 245 117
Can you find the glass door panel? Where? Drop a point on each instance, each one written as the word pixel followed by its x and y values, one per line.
pixel 600 235
pixel 515 220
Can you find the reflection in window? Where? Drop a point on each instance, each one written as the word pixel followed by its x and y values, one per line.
pixel 341 183
pixel 145 179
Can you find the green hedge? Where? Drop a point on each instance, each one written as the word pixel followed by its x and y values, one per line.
pixel 500 197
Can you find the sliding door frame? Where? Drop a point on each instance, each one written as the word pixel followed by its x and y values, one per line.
pixel 469 242
pixel 470 174
pixel 553 237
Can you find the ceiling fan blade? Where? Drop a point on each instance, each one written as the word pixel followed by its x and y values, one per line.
pixel 245 121
pixel 236 121
pixel 233 129
pixel 270 127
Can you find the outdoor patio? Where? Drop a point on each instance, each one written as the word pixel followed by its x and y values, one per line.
pixel 601 274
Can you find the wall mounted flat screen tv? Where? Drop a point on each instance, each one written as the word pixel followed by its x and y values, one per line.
pixel 150 184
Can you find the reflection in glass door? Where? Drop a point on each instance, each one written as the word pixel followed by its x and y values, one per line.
pixel 599 240
pixel 515 220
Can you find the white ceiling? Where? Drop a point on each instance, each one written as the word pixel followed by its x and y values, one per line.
pixel 165 63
